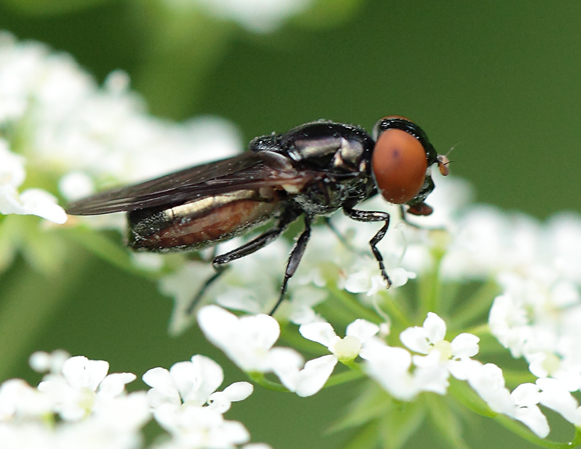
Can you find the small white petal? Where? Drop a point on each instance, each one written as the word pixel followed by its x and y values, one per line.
pixel 114 384
pixel 246 341
pixel 415 339
pixel 314 375
pixel 533 418
pixel 556 397
pixel 238 391
pixel 465 345
pixel 390 368
pixel 286 363
pixel 319 332
pixel 163 391
pixel 435 327
pixel 198 379
pixel 463 369
pixel 219 402
pixel 526 394
pixel 82 372
pixel 362 329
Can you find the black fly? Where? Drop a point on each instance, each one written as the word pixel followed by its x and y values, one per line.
pixel 313 169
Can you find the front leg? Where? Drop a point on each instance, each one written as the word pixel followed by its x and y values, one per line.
pixel 372 216
pixel 294 259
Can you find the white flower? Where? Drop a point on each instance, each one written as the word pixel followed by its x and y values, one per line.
pixel 89 136
pixel 357 334
pixel 247 341
pixel 315 373
pixel 429 340
pixel 186 404
pixel 201 427
pixel 82 386
pixel 557 397
pixel 29 202
pixel 304 380
pixel 488 381
pixel 75 405
pixel 193 382
pixel 18 399
pixel 390 367
pixel 537 318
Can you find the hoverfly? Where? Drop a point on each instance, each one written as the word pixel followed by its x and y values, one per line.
pixel 312 170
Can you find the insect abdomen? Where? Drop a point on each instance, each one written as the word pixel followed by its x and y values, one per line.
pixel 200 223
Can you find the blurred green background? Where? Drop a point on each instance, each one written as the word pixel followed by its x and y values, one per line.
pixel 500 81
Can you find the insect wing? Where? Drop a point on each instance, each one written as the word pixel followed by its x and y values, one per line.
pixel 246 171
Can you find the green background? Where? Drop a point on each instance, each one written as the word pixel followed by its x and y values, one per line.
pixel 498 80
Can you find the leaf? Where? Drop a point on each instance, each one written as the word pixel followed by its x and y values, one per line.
pixel 366 438
pixel 400 423
pixel 369 405
pixel 445 420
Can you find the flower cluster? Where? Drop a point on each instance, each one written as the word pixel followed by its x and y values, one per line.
pixel 53 114
pixel 77 402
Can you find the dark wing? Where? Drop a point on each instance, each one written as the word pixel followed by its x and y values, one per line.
pixel 246 171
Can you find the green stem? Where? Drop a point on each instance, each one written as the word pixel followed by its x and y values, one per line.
pixel 524 432
pixel 348 301
pixel 259 379
pixel 344 377
pixel 481 330
pixel 430 290
pixel 391 306
pixel 477 305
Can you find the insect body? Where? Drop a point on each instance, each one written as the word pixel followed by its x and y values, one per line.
pixel 313 169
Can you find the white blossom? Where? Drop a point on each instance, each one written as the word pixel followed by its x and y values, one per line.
pixel 75 405
pixel 247 340
pixel 522 404
pixel 391 368
pixel 357 335
pixel 429 340
pixel 193 382
pixel 185 403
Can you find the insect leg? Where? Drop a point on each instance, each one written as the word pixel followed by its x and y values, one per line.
pixel 219 271
pixel 294 260
pixel 259 242
pixel 371 216
pixel 219 262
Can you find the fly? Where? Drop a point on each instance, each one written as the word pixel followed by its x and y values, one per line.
pixel 312 170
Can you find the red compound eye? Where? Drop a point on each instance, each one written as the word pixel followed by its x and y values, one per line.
pixel 399 164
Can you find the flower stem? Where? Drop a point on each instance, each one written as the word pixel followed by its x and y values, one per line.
pixel 344 377
pixel 259 379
